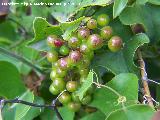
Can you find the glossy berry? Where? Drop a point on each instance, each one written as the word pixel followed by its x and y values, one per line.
pixel 92 24
pixel 106 32
pixel 63 63
pixel 74 106
pixel 74 42
pixel 75 56
pixel 84 72
pixel 84 48
pixel 65 98
pixel 58 83
pixel 57 72
pixel 53 90
pixel 52 56
pixel 115 43
pixel 103 19
pixel 64 50
pixel 94 41
pixel 86 100
pixel 58 42
pixel 72 86
pixel 75 98
pixel 83 33
pixel 50 40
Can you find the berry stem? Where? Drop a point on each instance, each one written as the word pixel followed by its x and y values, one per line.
pixel 111 89
pixel 144 79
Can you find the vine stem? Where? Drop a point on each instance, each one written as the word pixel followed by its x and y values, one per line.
pixel 111 89
pixel 22 59
pixel 144 79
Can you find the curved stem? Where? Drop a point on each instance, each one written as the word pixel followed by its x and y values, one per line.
pixel 111 89
pixel 22 59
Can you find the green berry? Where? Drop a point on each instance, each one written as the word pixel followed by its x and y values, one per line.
pixel 103 19
pixel 53 90
pixel 115 43
pixel 106 32
pixel 50 40
pixel 59 83
pixel 64 50
pixel 84 48
pixel 52 56
pixel 72 86
pixel 74 106
pixel 65 98
pixel 92 24
pixel 64 63
pixel 74 42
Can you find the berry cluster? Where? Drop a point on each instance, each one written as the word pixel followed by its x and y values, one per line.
pixel 71 59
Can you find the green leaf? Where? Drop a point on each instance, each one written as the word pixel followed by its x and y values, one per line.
pixel 156 2
pixel 118 7
pixel 147 15
pixel 63 15
pixel 49 114
pixel 66 114
pixel 10 79
pixel 98 115
pixel 126 84
pixel 43 29
pixel 33 111
pixel 122 61
pixel 20 109
pixel 135 112
pixel 142 2
pixel 85 85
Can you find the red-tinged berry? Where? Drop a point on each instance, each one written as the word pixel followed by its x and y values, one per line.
pixel 106 32
pixel 94 41
pixel 75 56
pixel 58 42
pixel 115 43
pixel 83 33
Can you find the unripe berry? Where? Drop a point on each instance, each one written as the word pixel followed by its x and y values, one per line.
pixel 115 43
pixel 53 90
pixel 58 83
pixel 50 40
pixel 84 48
pixel 106 32
pixel 72 86
pixel 75 56
pixel 103 19
pixel 83 33
pixel 75 98
pixel 64 50
pixel 65 98
pixel 63 63
pixel 74 106
pixel 52 56
pixel 94 41
pixel 74 42
pixel 92 24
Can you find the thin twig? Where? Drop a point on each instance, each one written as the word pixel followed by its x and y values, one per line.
pixel 144 79
pixel 22 59
pixel 52 106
